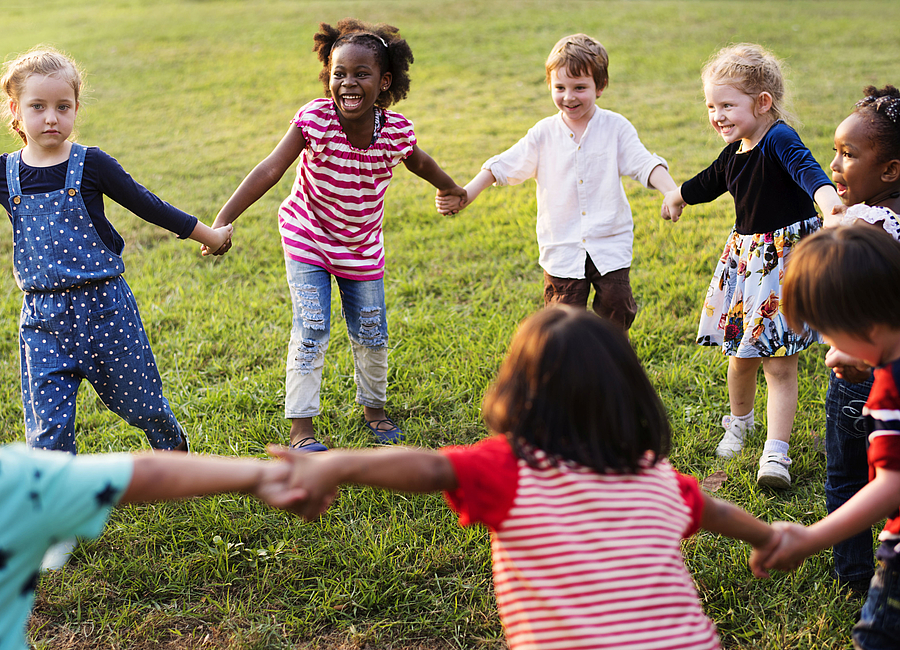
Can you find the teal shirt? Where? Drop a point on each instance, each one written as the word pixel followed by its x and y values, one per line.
pixel 47 497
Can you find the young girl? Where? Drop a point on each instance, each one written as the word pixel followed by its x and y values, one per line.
pixel 79 318
pixel 866 170
pixel 771 175
pixel 331 223
pixel 586 514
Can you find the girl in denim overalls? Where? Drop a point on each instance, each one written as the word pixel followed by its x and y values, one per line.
pixel 79 318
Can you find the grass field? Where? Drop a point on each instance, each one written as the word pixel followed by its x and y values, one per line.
pixel 190 95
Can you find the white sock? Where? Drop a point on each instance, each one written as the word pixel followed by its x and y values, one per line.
pixel 776 446
pixel 744 419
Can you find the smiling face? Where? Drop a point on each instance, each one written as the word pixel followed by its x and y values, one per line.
pixel 574 96
pixel 737 116
pixel 356 81
pixel 46 108
pixel 857 170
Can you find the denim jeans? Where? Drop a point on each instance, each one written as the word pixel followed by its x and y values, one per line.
pixel 847 470
pixel 879 621
pixel 363 308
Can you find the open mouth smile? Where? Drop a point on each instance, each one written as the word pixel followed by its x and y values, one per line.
pixel 351 102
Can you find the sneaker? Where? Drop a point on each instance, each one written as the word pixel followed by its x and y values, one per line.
pixel 733 440
pixel 57 555
pixel 773 471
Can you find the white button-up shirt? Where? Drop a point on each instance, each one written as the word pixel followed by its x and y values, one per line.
pixel 582 207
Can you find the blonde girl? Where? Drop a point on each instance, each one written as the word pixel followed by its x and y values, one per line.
pixel 79 318
pixel 774 180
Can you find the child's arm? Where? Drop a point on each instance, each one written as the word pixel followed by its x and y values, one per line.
pixel 826 197
pixel 425 167
pixel 728 519
pixel 871 504
pixel 260 180
pixel 214 240
pixel 165 476
pixel 404 469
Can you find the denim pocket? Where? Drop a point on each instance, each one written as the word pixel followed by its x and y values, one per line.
pixel 114 333
pixel 844 407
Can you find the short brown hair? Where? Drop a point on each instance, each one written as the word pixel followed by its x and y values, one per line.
pixel 845 280
pixel 581 56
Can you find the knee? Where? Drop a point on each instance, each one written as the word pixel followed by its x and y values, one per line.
pixel 306 355
pixel 311 315
pixel 372 332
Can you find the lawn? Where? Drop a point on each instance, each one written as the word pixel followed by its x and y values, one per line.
pixel 190 95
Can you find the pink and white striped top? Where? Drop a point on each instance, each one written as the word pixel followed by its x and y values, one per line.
pixel 334 213
pixel 583 560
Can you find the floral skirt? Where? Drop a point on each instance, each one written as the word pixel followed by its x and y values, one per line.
pixel 742 310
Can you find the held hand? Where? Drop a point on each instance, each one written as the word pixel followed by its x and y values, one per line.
pixel 220 241
pixel 451 201
pixel 847 367
pixel 672 206
pixel 790 552
pixel 308 474
pixel 836 217
pixel 761 553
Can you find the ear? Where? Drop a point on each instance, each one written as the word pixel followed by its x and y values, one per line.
pixel 891 172
pixel 14 108
pixel 764 102
pixel 385 81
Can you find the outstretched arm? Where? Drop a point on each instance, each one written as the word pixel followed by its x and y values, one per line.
pixel 260 180
pixel 871 504
pixel 165 476
pixel 826 197
pixel 404 469
pixel 425 167
pixel 728 519
pixel 452 205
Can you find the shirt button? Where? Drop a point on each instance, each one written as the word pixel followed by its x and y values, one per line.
pixel 571 135
pixel 580 182
pixel 583 213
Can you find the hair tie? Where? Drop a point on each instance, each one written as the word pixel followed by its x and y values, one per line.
pixel 887 104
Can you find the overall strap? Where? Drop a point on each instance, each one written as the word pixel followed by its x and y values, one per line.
pixel 12 173
pixel 75 168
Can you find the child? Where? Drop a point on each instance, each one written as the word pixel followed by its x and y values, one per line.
pixel 578 156
pixel 572 485
pixel 864 324
pixel 49 496
pixel 331 224
pixel 79 318
pixel 771 175
pixel 866 170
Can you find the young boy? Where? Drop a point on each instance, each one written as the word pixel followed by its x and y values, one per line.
pixel 855 305
pixel 578 156
pixel 51 495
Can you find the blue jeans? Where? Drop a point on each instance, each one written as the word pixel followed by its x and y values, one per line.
pixel 847 470
pixel 879 622
pixel 363 307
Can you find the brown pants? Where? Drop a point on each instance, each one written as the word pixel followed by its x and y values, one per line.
pixel 613 298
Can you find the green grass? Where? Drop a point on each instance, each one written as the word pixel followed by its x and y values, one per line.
pixel 190 95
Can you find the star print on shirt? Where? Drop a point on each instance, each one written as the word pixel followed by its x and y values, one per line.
pixel 31 584
pixel 4 558
pixel 107 496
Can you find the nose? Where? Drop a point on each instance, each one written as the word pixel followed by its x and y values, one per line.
pixel 50 117
pixel 836 162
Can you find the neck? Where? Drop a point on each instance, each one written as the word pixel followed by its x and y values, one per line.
pixel 888 199
pixel 35 156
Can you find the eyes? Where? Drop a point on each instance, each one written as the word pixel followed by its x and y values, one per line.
pixel 39 107
pixel 842 152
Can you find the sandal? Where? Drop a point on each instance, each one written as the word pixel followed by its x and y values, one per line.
pixel 391 436
pixel 308 445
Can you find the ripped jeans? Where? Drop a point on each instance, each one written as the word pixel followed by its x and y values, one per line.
pixel 362 304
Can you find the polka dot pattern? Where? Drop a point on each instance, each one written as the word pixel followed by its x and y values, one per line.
pixel 79 321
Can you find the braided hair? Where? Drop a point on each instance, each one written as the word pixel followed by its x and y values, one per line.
pixel 391 51
pixel 881 109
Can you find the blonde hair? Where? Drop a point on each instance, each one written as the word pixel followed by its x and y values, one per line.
pixel 40 60
pixel 752 70
pixel 581 56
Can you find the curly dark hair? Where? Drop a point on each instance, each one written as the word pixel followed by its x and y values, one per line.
pixel 572 386
pixel 395 58
pixel 881 107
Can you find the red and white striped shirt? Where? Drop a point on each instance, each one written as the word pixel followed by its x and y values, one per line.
pixel 334 213
pixel 583 560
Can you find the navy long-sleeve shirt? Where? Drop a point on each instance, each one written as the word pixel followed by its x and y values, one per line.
pixel 102 175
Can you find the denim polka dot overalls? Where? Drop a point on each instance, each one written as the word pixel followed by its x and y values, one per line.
pixel 79 319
